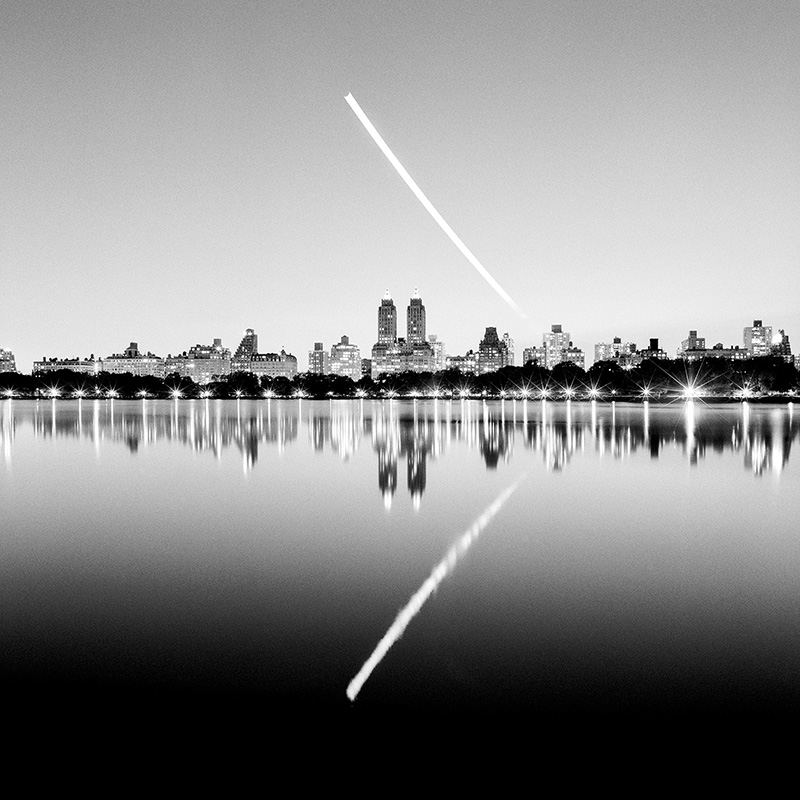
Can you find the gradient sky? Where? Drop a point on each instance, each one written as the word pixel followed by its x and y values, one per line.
pixel 178 171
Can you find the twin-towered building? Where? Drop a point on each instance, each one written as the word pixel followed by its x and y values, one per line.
pixel 414 353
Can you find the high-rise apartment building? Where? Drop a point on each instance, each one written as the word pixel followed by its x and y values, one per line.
pixel 758 338
pixel 346 359
pixel 318 361
pixel 617 350
pixel 415 321
pixel 248 347
pixel 387 320
pixel 556 348
pixel 437 348
pixel 781 347
pixel 492 352
pixel 509 343
pixel 7 362
pixel 692 342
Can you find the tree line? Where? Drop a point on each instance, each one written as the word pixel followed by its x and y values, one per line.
pixel 651 379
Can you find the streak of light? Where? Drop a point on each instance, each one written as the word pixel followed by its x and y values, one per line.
pixel 429 586
pixel 438 218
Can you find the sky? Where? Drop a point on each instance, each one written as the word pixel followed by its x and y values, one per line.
pixel 174 172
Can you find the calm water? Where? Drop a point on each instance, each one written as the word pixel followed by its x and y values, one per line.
pixel 361 555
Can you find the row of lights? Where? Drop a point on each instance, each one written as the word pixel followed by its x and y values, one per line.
pixel 689 392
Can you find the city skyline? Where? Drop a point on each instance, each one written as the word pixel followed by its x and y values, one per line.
pixel 175 173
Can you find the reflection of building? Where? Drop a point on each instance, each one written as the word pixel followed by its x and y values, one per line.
pixel 203 363
pixel 318 363
pixel 492 352
pixel 83 366
pixel 758 338
pixel 7 362
pixel 131 360
pixel 345 360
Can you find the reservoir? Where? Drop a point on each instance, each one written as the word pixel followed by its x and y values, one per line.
pixel 357 556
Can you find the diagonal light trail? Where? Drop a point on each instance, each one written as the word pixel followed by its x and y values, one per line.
pixel 439 573
pixel 411 183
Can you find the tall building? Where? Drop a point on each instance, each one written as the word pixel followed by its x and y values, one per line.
pixel 415 321
pixel 758 338
pixel 619 351
pixel 7 362
pixel 390 354
pixel 652 352
pixel 509 343
pixel 781 347
pixel 692 342
pixel 387 320
pixel 492 352
pixel 437 348
pixel 248 346
pixel 556 347
pixel 346 359
pixel 318 362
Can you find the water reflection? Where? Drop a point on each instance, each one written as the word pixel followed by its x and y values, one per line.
pixel 416 431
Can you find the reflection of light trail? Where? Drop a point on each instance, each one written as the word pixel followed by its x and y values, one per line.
pixel 439 573
pixel 393 160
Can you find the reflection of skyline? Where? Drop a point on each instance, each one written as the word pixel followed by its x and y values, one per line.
pixel 419 430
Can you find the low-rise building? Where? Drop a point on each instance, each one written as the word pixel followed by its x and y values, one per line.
pixel 203 363
pixel 7 362
pixel 84 366
pixel 134 362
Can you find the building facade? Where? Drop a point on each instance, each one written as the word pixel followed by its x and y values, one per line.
pixel 318 361
pixel 758 338
pixel 7 361
pixel 202 363
pixel 492 352
pixel 84 366
pixel 134 362
pixel 690 343
pixel 617 350
pixel 346 359
pixel 390 354
pixel 556 348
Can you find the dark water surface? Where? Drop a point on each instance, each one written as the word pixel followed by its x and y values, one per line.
pixel 554 558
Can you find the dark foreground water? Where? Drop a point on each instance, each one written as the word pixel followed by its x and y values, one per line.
pixel 353 556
